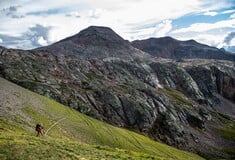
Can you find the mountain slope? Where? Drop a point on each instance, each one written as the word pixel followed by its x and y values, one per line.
pixel 167 47
pixel 22 109
pixel 185 103
pixel 174 102
pixel 95 42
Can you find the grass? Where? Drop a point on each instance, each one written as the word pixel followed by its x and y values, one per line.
pixel 227 132
pixel 229 150
pixel 23 146
pixel 178 97
pixel 76 136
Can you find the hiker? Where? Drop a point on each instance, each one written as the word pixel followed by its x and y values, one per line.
pixel 39 129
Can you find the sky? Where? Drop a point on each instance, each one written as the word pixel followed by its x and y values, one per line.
pixel 27 24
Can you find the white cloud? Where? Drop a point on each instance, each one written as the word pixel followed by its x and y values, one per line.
pixel 228 11
pixel 42 41
pixel 73 14
pixel 121 15
pixel 163 28
pixel 96 13
pixel 204 37
pixel 11 11
pixel 232 42
pixel 232 16
pixel 209 39
pixel 210 13
pixel 1 40
pixel 159 30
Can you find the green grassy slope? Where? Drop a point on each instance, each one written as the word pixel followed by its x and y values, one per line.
pixel 75 136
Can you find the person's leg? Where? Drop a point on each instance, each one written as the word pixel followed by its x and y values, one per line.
pixel 41 132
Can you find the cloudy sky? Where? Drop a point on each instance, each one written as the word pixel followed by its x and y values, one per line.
pixel 29 24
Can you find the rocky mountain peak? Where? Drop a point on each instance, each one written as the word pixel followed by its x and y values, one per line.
pixel 97 35
pixel 95 42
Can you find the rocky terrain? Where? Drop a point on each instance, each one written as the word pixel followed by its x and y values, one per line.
pixel 187 103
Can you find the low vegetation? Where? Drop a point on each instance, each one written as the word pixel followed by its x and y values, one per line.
pixel 75 136
pixel 228 131
pixel 178 97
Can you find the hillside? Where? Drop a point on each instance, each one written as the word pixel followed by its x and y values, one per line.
pixel 167 47
pixel 186 103
pixel 21 109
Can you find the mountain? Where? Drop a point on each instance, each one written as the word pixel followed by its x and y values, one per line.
pixel 167 47
pixel 95 42
pixel 188 103
pixel 70 135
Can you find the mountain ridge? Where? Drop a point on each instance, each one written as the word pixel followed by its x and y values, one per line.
pixel 168 47
pixel 103 42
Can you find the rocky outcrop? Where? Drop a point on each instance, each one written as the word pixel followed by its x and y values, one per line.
pixel 225 81
pixel 176 77
pixel 214 79
pixel 205 81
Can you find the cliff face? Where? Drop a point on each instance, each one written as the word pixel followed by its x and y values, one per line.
pixel 177 102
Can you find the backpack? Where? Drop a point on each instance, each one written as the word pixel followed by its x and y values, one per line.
pixel 38 127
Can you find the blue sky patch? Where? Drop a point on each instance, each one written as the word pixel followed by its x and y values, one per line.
pixel 189 19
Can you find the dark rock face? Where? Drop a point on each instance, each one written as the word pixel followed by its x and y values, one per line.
pixel 178 78
pixel 225 82
pixel 170 101
pixel 214 79
pixel 168 47
pixel 194 121
pixel 161 47
pixel 206 83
